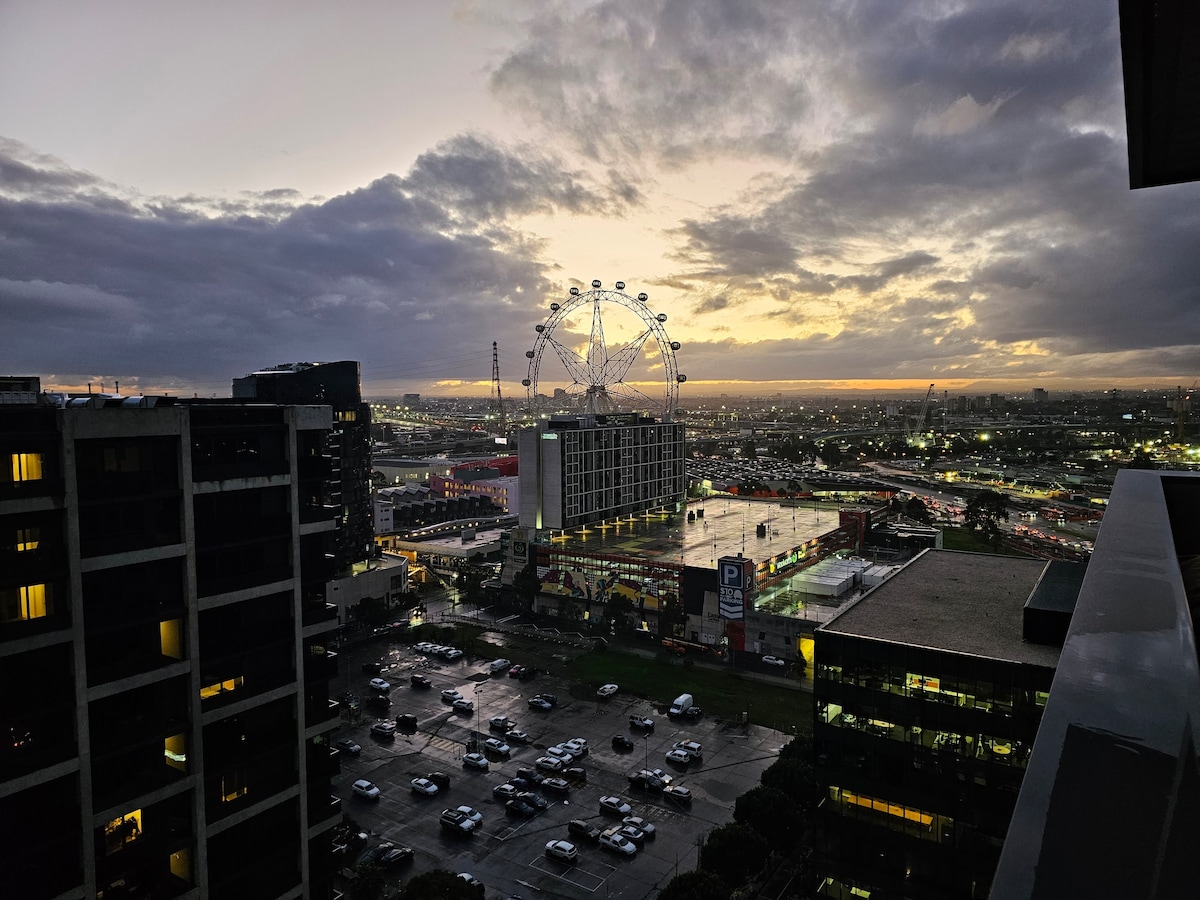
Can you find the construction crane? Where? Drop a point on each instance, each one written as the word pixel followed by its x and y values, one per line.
pixel 497 397
pixel 913 437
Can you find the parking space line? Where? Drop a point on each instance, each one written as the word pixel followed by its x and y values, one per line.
pixel 538 862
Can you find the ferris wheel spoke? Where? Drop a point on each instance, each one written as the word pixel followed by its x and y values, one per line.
pixel 620 362
pixel 577 367
pixel 631 395
pixel 597 356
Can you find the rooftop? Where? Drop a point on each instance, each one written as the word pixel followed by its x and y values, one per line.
pixel 727 528
pixel 948 600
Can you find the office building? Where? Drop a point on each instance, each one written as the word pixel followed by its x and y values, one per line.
pixel 929 691
pixel 164 666
pixel 336 384
pixel 579 470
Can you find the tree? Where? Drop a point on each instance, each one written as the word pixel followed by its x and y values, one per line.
pixel 916 510
pixel 527 585
pixel 734 853
pixel 772 813
pixel 439 884
pixel 619 612
pixel 984 512
pixel 793 776
pixel 699 884
pixel 368 882
pixel 749 451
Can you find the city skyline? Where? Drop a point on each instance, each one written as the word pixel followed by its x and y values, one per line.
pixel 865 197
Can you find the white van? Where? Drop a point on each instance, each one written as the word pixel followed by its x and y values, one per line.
pixel 681 705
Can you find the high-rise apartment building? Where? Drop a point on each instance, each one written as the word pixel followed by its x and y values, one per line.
pixel 336 384
pixel 164 660
pixel 576 470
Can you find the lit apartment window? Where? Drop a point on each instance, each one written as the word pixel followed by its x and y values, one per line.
pixel 181 865
pixel 27 539
pixel 26 466
pixel 170 636
pixel 121 831
pixel 232 786
pixel 175 751
pixel 31 601
pixel 220 687
pixel 348 415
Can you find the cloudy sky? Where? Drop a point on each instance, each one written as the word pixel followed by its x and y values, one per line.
pixel 816 194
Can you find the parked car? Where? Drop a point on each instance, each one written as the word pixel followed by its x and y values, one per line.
pixel 345 745
pixel 456 821
pixel 678 756
pixel 641 723
pixel 647 828
pixel 558 751
pixel 548 764
pixel 505 791
pixel 493 745
pixel 607 690
pixel 580 828
pixel 499 665
pixel 475 761
pixel 520 808
pixel 441 779
pixel 677 793
pixel 378 684
pixel 539 703
pixel 695 750
pixel 552 699
pixel 563 851
pixel 372 668
pixel 529 672
pixel 517 736
pixel 621 743
pixel 646 781
pixel 475 815
pixel 774 661
pixel 530 774
pixel 385 731
pixel 450 696
pixel 575 773
pixel 538 803
pixel 364 788
pixel 378 702
pixel 424 787
pixel 464 706
pixel 452 654
pixel 614 841
pixel 516 671
pixel 692 713
pixel 501 723
pixel 613 804
pixel 419 681
pixel 577 746
pixel 394 856
pixel 407 721
pixel 634 834
pixel 556 785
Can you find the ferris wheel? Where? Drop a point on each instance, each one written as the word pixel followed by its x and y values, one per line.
pixel 595 381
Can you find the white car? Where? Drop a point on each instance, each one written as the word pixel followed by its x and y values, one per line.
pixel 612 840
pixel 548 764
pixel 558 751
pixel 562 850
pixel 680 757
pixel 695 750
pixel 424 786
pixel 464 705
pixel 494 745
pixel 578 747
pixel 607 690
pixel 613 804
pixel 517 736
pixel 450 696
pixel 452 654
pixel 499 665
pixel 364 788
pixel 473 814
pixel 476 761
pixel 423 647
pixel 470 879
pixel 677 793
pixel 647 828
pixel 379 684
pixel 774 661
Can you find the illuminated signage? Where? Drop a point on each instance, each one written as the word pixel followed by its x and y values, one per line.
pixel 735 578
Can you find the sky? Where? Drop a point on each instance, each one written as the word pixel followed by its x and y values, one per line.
pixel 816 195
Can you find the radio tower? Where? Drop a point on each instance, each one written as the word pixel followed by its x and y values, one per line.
pixel 497 398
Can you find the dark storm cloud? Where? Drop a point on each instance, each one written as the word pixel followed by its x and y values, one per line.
pixel 673 79
pixel 160 289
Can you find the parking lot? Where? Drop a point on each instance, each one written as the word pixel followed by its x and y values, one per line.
pixel 507 853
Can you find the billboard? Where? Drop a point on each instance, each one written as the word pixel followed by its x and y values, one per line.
pixel 735 580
